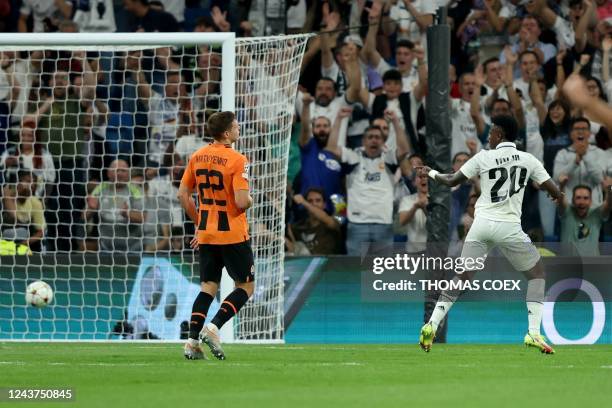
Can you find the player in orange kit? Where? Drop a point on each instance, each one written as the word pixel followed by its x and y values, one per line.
pixel 219 174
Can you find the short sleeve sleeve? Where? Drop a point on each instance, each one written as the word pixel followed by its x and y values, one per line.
pixel 472 167
pixel 188 179
pixel 240 178
pixel 299 103
pixel 349 156
pixel 455 105
pixel 538 172
pixel 390 157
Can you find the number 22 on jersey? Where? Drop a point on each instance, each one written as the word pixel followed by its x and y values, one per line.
pixel 213 183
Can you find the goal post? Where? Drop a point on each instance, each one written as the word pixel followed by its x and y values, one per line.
pixel 115 262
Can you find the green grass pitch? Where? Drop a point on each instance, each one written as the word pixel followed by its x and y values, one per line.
pixel 157 375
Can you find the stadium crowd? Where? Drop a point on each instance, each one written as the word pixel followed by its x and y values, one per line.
pixel 93 145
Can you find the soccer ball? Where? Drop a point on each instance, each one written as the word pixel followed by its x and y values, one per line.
pixel 39 294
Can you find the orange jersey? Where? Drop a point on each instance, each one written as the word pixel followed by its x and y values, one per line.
pixel 216 171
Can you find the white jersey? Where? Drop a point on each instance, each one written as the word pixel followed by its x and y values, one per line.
pixel 463 128
pixel 504 173
pixel 100 18
pixel 369 180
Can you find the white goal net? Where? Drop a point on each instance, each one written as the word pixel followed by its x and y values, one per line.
pixel 95 132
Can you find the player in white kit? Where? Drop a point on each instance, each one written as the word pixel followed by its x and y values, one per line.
pixel 504 172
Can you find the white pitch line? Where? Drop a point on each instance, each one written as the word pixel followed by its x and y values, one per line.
pixel 348 363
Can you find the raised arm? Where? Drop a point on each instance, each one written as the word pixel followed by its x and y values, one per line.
pixel 515 101
pixel 583 25
pixel 606 45
pixel 475 102
pixel 422 20
pixel 329 221
pixel 144 88
pixel 89 77
pixel 369 48
pixel 355 91
pixel 403 144
pixel 560 77
pixel 389 26
pixel 44 108
pixel 311 14
pixel 607 204
pixel 450 180
pixel 305 132
pixel 334 135
pixel 420 90
pixel 498 23
pixel 328 38
pixel 537 99
pixel 576 91
pixel 314 46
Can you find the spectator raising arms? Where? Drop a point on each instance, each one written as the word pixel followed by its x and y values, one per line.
pixel 370 180
pixel 319 233
pixel 580 223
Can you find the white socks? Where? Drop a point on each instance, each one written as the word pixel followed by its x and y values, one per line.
pixel 535 302
pixel 439 312
pixel 446 300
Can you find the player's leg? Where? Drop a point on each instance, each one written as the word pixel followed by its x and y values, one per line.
pixel 210 275
pixel 446 300
pixel 238 259
pixel 536 286
pixel 475 246
pixel 233 303
pixel 524 257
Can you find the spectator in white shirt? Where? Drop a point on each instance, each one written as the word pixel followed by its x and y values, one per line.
pixel 464 134
pixel 580 163
pixel 413 214
pixel 370 183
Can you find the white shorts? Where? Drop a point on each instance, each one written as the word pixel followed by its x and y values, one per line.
pixel 514 244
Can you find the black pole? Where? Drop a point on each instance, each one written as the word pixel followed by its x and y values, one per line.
pixel 438 149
